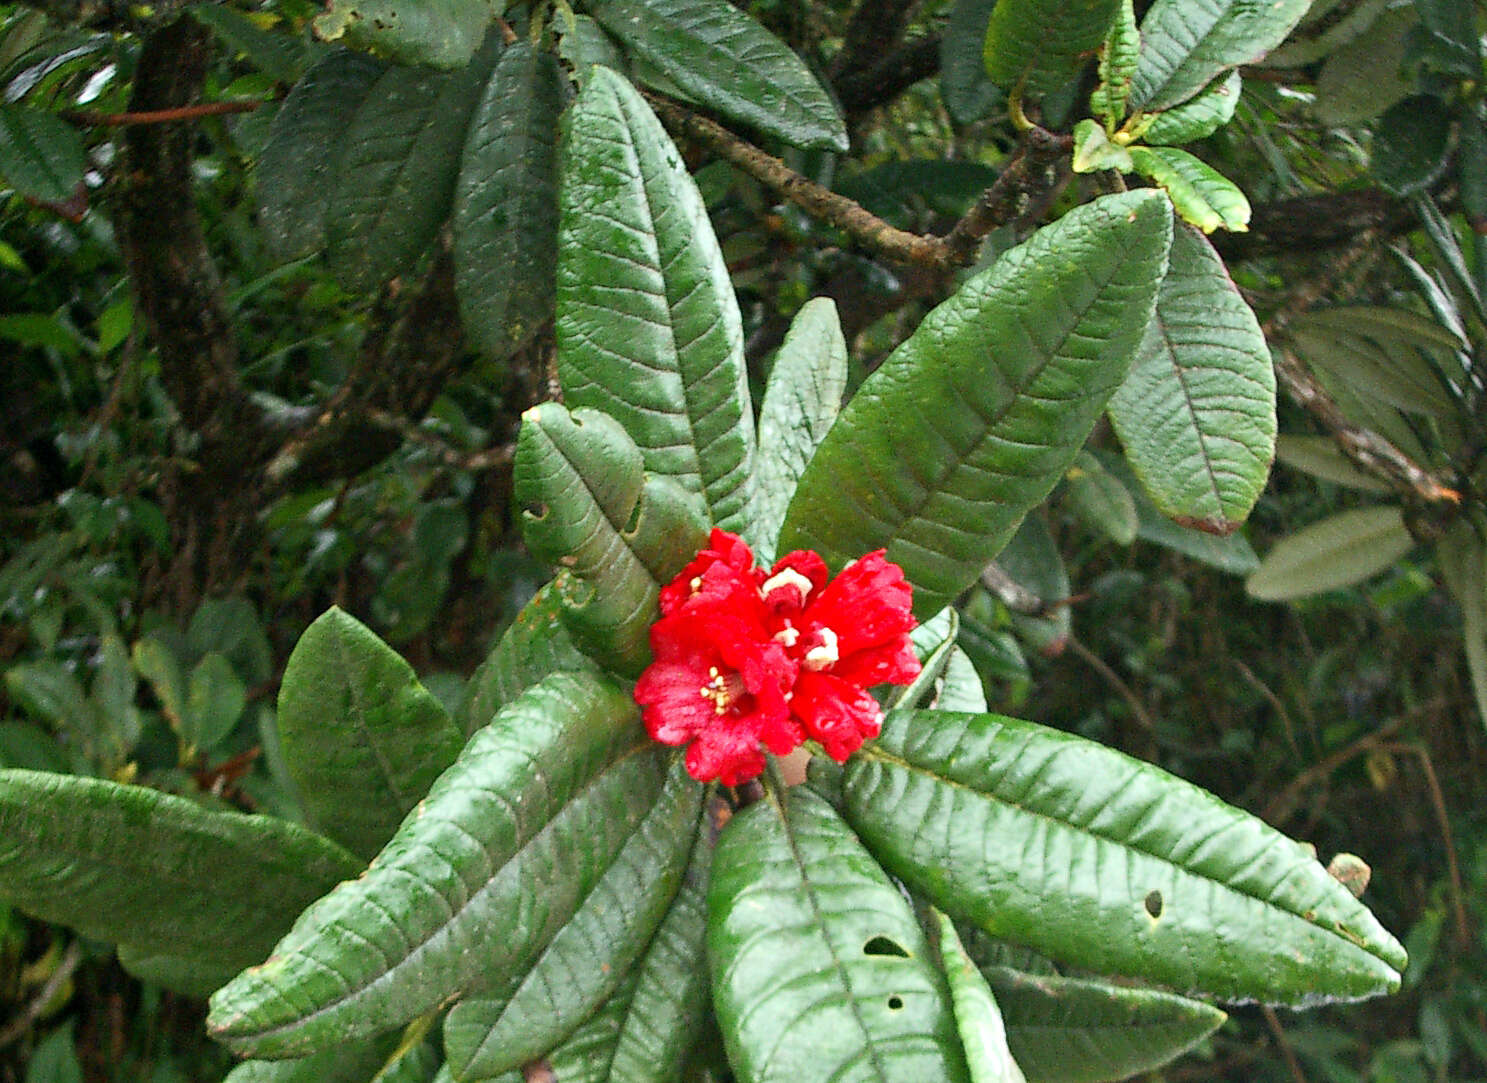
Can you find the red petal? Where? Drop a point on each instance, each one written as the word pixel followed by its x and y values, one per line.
pixel 787 600
pixel 835 712
pixel 891 663
pixel 728 756
pixel 729 554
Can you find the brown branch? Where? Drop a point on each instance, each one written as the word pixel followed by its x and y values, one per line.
pixel 158 116
pixel 1304 225
pixel 26 1019
pixel 1035 170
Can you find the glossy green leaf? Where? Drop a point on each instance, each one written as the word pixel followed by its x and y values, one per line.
pixel 1108 863
pixel 1118 58
pixel 1411 144
pixel 616 534
pixel 977 1017
pixel 582 966
pixel 648 328
pixel 968 94
pixel 727 61
pixel 438 33
pixel 156 872
pixel 474 885
pixel 970 423
pixel 1338 551
pixel 41 155
pixel 801 401
pixel 1199 116
pixel 1101 499
pixel 1076 1030
pixel 395 177
pixel 1039 45
pixel 1197 413
pixel 1185 43
pixel 1320 457
pixel 933 641
pixel 960 689
pixel 1201 194
pixel 299 166
pixel 215 698
pixel 506 203
pixel 586 1055
pixel 537 643
pixel 361 737
pixel 820 971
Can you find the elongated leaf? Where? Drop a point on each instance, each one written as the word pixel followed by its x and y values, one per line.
pixel 156 872
pixel 274 53
pixel 727 61
pixel 1320 457
pixel 801 401
pixel 1199 116
pixel 648 328
pixel 968 94
pixel 1383 323
pixel 1197 412
pixel 1185 43
pixel 473 886
pixel 395 179
pixel 1099 860
pixel 1118 57
pixel 506 203
pixel 820 971
pixel 977 1017
pixel 1365 76
pixel 215 698
pixel 361 737
pixel 1411 143
pixel 1032 561
pixel 1201 194
pixel 1101 499
pixel 484 1036
pixel 1038 45
pixel 1464 565
pixel 1339 551
pixel 536 644
pixel 1074 1030
pixel 1388 372
pixel 586 1055
pixel 41 155
pixel 300 163
pixel 616 534
pixel 349 1062
pixel 439 33
pixel 972 421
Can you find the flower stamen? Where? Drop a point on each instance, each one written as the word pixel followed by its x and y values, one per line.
pixel 825 654
pixel 722 690
pixel 786 577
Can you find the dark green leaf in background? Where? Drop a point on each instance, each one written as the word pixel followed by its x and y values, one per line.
pixel 1338 551
pixel 983 1035
pixel 1038 45
pixel 361 737
pixel 1185 43
pixel 349 1062
pixel 1364 76
pixel 1320 457
pixel 968 94
pixel 41 155
pixel 506 203
pixel 274 53
pixel 820 970
pixel 1197 413
pixel 439 33
pixel 1099 860
pixel 1101 499
pixel 801 401
pixel 474 885
pixel 1411 144
pixel 648 327
pixel 615 534
pixel 729 62
pixel 970 423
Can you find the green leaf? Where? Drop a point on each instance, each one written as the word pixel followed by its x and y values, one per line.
pixel 1099 860
pixel 1384 323
pixel 1118 57
pixel 156 872
pixel 506 203
pixel 1379 367
pixel 1185 43
pixel 439 33
pixel 820 970
pixel 1039 45
pixel 395 178
pixel 1101 499
pixel 493 864
pixel 1076 1030
pixel 300 163
pixel 41 155
pixel 275 53
pixel 1201 194
pixel 537 643
pixel 361 737
pixel 1324 29
pixel 1320 457
pixel 196 976
pixel 968 94
pixel 1366 75
pixel 801 401
pixel 648 328
pixel 1032 561
pixel 977 1016
pixel 1338 551
pixel 616 534
pixel 727 61
pixel 1411 144
pixel 1094 151
pixel 215 698
pixel 971 422
pixel 348 1062
pixel 582 966
pixel 1197 413
pixel 1464 566
pixel 906 191
pixel 1199 116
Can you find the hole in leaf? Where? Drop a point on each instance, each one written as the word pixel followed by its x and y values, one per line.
pixel 536 511
pixel 895 1003
pixel 633 523
pixel 1154 904
pixel 881 945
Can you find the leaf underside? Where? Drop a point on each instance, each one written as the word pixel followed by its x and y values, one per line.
pixel 1185 43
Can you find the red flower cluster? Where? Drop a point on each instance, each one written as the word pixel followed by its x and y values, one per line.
pixel 746 656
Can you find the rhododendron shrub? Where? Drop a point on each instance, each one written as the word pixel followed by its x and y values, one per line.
pixel 599 871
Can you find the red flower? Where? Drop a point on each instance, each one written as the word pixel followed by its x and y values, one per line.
pixel 745 657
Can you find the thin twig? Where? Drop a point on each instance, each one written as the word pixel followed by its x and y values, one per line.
pixel 487 459
pixel 1032 168
pixel 158 116
pixel 1283 1043
pixel 1448 839
pixel 1275 701
pixel 1100 666
pixel 22 1023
